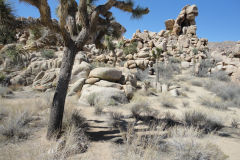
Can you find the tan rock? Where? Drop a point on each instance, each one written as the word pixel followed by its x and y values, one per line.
pixel 103 83
pixel 169 24
pixel 92 80
pixel 76 87
pixel 105 73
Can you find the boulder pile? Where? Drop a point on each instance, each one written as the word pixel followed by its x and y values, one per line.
pixel 107 85
pixel 179 41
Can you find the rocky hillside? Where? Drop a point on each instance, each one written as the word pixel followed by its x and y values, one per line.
pixel 226 46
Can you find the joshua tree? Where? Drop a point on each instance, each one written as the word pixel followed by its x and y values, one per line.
pixel 7 20
pixel 156 54
pixel 79 23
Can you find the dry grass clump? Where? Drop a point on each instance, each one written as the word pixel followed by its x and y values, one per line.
pixel 73 118
pixel 74 141
pixel 15 127
pixel 179 143
pixel 116 120
pixel 213 102
pixel 138 108
pixel 221 76
pixel 167 101
pixel 235 123
pixel 197 83
pixel 229 92
pixel 92 99
pixel 203 68
pixel 139 147
pixel 185 104
pixel 4 91
pixel 166 71
pixel 202 121
pixel 187 144
pixel 27 151
pixel 18 118
pixel 98 110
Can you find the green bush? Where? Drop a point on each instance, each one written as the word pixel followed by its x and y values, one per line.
pixel 35 33
pixel 7 35
pixel 48 53
pixel 7 23
pixel 195 51
pixel 13 54
pixel 2 76
pixel 131 49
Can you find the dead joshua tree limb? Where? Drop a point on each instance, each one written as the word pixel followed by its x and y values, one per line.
pixel 79 24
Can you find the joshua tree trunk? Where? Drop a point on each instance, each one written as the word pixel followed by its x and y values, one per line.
pixel 57 108
pixel 157 73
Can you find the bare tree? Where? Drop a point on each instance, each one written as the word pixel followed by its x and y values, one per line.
pixel 79 23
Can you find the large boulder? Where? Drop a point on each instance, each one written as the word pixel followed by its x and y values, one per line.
pixel 185 18
pixel 169 24
pixel 143 54
pixel 76 87
pixel 105 73
pixel 80 71
pixel 103 95
pixel 104 83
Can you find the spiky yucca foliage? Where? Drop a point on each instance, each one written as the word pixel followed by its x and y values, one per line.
pixel 7 20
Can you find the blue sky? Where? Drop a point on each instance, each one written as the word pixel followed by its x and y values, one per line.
pixel 218 20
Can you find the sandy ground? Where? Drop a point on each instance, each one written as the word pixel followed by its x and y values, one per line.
pixel 103 138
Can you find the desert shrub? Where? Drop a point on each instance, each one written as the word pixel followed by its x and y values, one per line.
pixel 140 147
pixel 167 104
pixel 213 102
pixel 7 36
pixel 74 119
pixel 197 83
pixel 15 128
pixel 167 101
pixel 13 54
pixel 185 104
pixel 47 53
pixel 35 33
pixel 116 119
pixel 74 141
pixel 202 121
pixel 166 71
pixel 180 143
pixel 192 149
pixel 130 49
pixel 235 123
pixel 138 108
pixel 2 77
pixel 92 99
pixel 227 91
pixel 174 60
pixel 120 44
pixel 195 51
pixel 7 23
pixel 221 76
pixel 142 75
pixel 203 68
pixel 98 110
